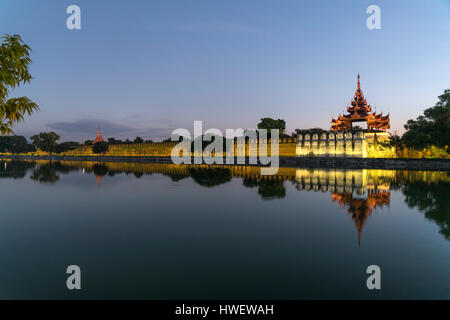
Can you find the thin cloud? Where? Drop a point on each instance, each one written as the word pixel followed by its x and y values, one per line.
pixel 226 27
pixel 83 128
pixel 208 27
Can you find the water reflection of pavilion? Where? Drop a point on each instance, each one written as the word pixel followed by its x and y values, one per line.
pixel 360 191
pixel 361 208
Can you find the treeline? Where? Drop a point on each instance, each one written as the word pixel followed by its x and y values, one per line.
pixel 15 144
pixel 45 141
pixel 48 142
pixel 428 135
pixel 432 128
pixel 118 141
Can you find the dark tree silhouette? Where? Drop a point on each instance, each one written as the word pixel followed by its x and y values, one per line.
pixel 269 123
pixel 433 199
pixel 269 189
pixel 210 177
pixel 100 169
pixel 431 128
pixel 46 141
pixel 100 147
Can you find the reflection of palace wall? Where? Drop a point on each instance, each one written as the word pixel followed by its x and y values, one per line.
pixel 356 145
pixel 344 180
pixel 284 173
pixel 324 179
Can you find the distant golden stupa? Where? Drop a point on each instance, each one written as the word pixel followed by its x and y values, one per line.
pixel 99 136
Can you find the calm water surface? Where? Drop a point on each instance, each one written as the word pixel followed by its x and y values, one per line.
pixel 176 232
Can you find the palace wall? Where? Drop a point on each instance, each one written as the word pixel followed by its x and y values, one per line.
pixel 346 145
pixel 350 145
pixel 162 149
pixel 286 146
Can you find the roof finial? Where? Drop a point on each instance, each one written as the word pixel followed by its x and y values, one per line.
pixel 359 86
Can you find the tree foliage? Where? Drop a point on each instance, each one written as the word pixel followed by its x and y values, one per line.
pixel 66 146
pixel 46 141
pixel 431 128
pixel 15 144
pixel 269 123
pixel 114 141
pixel 100 147
pixel 14 71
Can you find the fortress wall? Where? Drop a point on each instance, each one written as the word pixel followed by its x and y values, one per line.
pixel 345 145
pixel 358 145
pixel 286 148
pixel 136 149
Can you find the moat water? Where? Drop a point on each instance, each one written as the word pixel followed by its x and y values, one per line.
pixel 176 232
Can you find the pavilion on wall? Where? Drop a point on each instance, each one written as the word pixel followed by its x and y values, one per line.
pixel 360 111
pixel 344 141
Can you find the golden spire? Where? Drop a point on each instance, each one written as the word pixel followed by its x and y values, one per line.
pixel 359 86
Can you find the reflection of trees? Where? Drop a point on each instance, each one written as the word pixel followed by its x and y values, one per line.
pixel 433 199
pixel 177 176
pixel 210 177
pixel 267 189
pixel 249 182
pixel 62 168
pixel 47 173
pixel 271 189
pixel 100 169
pixel 15 169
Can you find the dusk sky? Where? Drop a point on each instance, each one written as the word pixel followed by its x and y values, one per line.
pixel 145 68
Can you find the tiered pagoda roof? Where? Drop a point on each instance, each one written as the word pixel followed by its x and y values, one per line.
pixel 359 111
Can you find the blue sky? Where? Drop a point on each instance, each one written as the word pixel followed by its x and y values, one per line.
pixel 148 67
